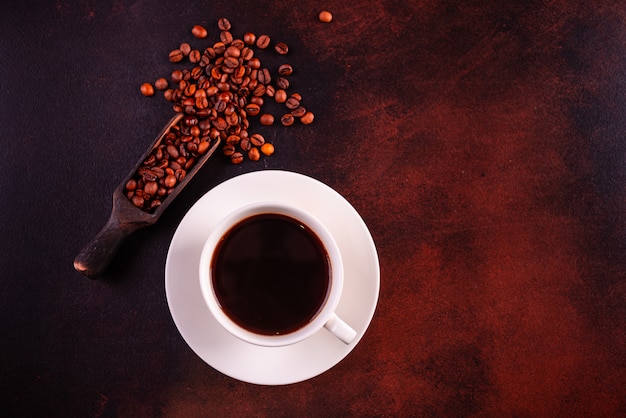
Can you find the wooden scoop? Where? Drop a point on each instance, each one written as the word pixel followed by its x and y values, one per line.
pixel 126 218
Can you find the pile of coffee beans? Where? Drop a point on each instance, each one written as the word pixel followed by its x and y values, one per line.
pixel 224 89
pixel 169 162
pixel 228 85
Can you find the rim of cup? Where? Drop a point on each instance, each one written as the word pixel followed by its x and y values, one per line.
pixel 332 251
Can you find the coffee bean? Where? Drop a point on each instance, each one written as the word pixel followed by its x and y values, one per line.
pixel 253 109
pixel 287 119
pixel 264 76
pixel 185 48
pixel 292 103
pixel 325 16
pixel 195 56
pixel 307 118
pixel 254 154
pixel 282 83
pixel 280 96
pixel 285 69
pixel 267 149
pixel 281 48
pixel 161 84
pixel 257 140
pixel 170 181
pixel 147 89
pixel 263 41
pixel 249 38
pixel 226 37
pixel 223 24
pixel 299 111
pixel 236 158
pixel 266 119
pixel 131 185
pixel 176 55
pixel 199 32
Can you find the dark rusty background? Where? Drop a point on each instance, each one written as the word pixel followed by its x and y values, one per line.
pixel 482 143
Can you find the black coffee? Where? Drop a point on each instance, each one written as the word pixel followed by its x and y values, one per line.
pixel 271 274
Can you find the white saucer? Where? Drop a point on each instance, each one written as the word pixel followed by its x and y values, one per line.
pixel 276 365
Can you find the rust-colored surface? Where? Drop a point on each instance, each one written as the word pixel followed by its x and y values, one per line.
pixel 482 144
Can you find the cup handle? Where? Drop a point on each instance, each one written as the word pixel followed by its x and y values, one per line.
pixel 340 329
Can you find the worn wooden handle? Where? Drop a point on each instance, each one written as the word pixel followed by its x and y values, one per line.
pixel 96 256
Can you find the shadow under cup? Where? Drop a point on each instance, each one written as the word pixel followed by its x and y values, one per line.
pixel 271 274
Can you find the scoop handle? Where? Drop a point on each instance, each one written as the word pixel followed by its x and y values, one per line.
pixel 96 256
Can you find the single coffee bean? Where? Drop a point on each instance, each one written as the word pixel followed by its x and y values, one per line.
pixel 226 37
pixel 281 48
pixel 223 24
pixel 177 76
pixel 172 151
pixel 254 154
pixel 131 185
pixel 263 41
pixel 203 147
pixel 285 69
pixel 270 90
pixel 325 16
pixel 228 150
pixel 236 158
pixel 147 89
pixel 264 76
pixel 287 119
pixel 292 103
pixel 299 111
pixel 253 109
pixel 138 201
pixel 199 32
pixel 280 96
pixel 267 149
pixel 161 84
pixel 232 51
pixel 282 83
pixel 266 119
pixel 195 56
pixel 249 38
pixel 151 188
pixel 185 48
pixel 307 118
pixel 257 140
pixel 219 47
pixel 176 55
pixel 170 181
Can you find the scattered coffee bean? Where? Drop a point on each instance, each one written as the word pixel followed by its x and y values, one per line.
pixel 281 48
pixel 176 55
pixel 307 118
pixel 287 119
pixel 199 32
pixel 223 24
pixel 147 89
pixel 325 16
pixel 249 38
pixel 254 154
pixel 161 84
pixel 263 41
pixel 285 69
pixel 267 149
pixel 266 119
pixel 280 96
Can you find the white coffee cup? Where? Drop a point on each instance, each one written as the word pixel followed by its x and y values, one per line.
pixel 325 316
